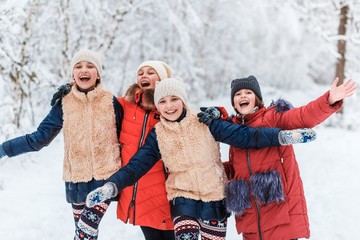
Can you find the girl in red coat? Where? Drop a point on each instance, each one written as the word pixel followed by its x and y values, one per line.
pixel 266 192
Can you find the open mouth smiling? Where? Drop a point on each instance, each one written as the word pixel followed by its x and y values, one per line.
pixel 145 83
pixel 244 104
pixel 84 78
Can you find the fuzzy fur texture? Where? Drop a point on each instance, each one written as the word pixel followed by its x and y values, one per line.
pixel 134 93
pixel 281 105
pixel 267 187
pixel 237 196
pixel 90 139
pixel 192 157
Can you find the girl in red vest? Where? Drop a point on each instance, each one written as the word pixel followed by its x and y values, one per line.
pixel 266 192
pixel 145 203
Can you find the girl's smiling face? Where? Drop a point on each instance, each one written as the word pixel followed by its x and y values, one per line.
pixel 147 77
pixel 85 75
pixel 244 101
pixel 170 107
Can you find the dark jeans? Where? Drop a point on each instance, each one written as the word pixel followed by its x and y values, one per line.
pixel 156 234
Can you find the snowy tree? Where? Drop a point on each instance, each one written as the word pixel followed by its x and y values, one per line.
pixel 288 45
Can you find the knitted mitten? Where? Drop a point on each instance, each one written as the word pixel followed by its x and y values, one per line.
pixel 208 114
pixel 101 194
pixel 301 135
pixel 62 91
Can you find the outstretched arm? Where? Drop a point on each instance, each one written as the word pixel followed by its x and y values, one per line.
pixel 145 158
pixel 242 136
pixel 342 91
pixel 48 129
pixel 239 135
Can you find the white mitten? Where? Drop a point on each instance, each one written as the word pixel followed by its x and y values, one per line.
pixel 301 135
pixel 101 194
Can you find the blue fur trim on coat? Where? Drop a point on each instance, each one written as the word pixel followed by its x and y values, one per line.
pixel 266 187
pixel 237 196
pixel 281 105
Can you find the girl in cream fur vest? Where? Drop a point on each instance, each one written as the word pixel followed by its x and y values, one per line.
pixel 88 115
pixel 196 176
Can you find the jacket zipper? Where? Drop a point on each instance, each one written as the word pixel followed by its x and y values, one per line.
pixel 256 203
pixel 132 203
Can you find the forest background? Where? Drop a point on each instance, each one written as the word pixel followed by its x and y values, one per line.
pixel 285 44
pixel 294 48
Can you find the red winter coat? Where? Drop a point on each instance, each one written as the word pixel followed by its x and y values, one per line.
pixel 145 203
pixel 287 218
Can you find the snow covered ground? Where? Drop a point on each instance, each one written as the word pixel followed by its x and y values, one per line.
pixel 33 202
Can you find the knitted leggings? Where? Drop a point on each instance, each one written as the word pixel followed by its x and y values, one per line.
pixel 188 228
pixel 87 220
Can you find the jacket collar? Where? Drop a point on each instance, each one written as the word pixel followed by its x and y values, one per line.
pixel 144 98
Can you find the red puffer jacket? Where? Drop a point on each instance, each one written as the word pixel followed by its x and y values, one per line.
pixel 271 175
pixel 145 203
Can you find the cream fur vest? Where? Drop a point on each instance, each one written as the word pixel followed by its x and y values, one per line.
pixel 91 143
pixel 192 157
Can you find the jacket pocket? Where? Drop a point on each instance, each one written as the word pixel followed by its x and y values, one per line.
pixel 267 187
pixel 237 196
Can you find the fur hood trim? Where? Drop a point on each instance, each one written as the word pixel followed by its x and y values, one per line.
pixel 281 105
pixel 145 98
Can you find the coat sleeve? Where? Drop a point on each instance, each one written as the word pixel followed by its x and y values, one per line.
pixel 307 116
pixel 48 129
pixel 144 159
pixel 242 136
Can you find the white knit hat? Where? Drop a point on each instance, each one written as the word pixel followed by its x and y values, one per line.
pixel 88 56
pixel 161 68
pixel 170 87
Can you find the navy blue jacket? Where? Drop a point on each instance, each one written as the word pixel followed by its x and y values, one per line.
pixel 226 132
pixel 47 130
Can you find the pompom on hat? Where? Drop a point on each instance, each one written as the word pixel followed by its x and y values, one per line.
pixel 87 56
pixel 249 82
pixel 161 68
pixel 170 87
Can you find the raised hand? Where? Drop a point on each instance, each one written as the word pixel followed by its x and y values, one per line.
pixel 62 91
pixel 342 91
pixel 301 135
pixel 101 194
pixel 208 114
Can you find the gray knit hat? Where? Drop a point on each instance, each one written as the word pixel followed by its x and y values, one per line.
pixel 249 82
pixel 88 56
pixel 170 87
pixel 161 68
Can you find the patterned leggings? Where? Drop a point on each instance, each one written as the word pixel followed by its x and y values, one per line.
pixel 188 228
pixel 87 220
